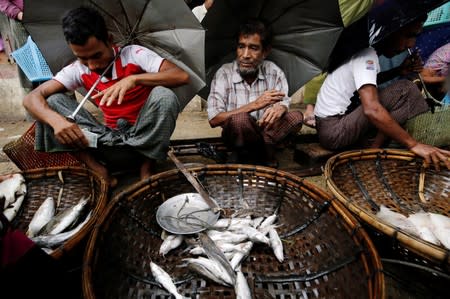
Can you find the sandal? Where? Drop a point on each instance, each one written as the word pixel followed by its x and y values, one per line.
pixel 310 121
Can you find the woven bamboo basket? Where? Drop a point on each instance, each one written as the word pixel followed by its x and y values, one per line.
pixel 78 182
pixel 431 127
pixel 21 152
pixel 365 179
pixel 331 256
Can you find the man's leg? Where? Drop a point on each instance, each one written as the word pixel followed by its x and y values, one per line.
pixel 290 122
pixel 243 136
pixel 46 141
pixel 156 122
pixel 403 100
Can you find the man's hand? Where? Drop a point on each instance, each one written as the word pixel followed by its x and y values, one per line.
pixel 268 98
pixel 69 133
pixel 411 64
pixel 272 115
pixel 432 154
pixel 116 92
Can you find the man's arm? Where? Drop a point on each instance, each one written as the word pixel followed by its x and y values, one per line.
pixel 169 75
pixel 269 97
pixel 66 132
pixel 381 118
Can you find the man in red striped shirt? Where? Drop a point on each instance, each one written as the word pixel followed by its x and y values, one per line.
pixel 138 108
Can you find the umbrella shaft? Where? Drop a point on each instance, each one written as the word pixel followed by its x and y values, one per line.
pixel 81 104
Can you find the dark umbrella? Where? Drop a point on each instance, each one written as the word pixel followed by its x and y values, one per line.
pixel 167 27
pixel 389 15
pixel 305 32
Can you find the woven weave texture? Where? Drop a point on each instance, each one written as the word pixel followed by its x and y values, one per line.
pixel 128 239
pixel 365 179
pixel 21 152
pixel 78 182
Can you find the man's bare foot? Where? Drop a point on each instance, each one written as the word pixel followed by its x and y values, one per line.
pixel 147 168
pixel 96 167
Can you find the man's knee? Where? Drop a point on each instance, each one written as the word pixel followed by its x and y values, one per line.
pixel 55 100
pixel 239 120
pixel 165 98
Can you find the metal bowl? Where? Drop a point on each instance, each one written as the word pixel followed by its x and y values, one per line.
pixel 185 213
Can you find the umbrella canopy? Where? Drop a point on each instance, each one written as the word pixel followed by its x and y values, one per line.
pixel 389 15
pixel 167 27
pixel 305 32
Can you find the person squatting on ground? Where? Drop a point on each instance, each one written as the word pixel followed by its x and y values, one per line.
pixel 341 125
pixel 248 99
pixel 139 109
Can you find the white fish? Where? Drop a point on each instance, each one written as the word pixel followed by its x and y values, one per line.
pixel 255 235
pixel 226 236
pixel 171 242
pixel 198 250
pixel 211 269
pixel 241 288
pixel 64 219
pixel 11 212
pixel 163 278
pixel 241 254
pixel 52 241
pixel 42 216
pixel 12 187
pixel 424 226
pixel 276 244
pixel 441 228
pixel 257 222
pixel 268 221
pixel 229 223
pixel 396 219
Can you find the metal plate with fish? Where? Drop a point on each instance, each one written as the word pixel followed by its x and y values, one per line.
pixel 185 213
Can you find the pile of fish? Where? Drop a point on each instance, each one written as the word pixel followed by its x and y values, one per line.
pixel 220 251
pixel 45 228
pixel 50 230
pixel 431 227
pixel 13 191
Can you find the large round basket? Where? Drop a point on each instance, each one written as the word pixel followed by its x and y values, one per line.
pixel 329 257
pixel 77 182
pixel 365 179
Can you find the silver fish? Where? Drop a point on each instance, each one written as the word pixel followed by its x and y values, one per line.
pixel 441 228
pixel 163 278
pixel 241 288
pixel 268 221
pixel 64 219
pixel 51 241
pixel 214 253
pixel 226 236
pixel 424 226
pixel 11 212
pixel 42 216
pixel 397 220
pixel 211 269
pixel 255 235
pixel 276 245
pixel 171 242
pixel 241 254
pixel 12 187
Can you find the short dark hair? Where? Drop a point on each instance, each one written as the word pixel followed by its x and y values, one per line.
pixel 254 26
pixel 81 23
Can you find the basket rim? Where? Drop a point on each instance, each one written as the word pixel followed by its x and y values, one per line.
pixel 378 287
pixel 60 251
pixel 415 244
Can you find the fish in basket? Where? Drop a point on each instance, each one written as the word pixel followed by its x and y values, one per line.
pixel 278 236
pixel 56 207
pixel 393 193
